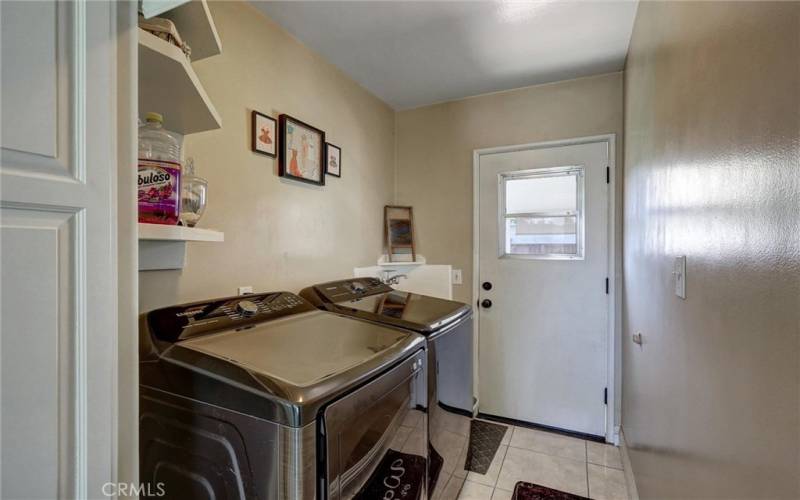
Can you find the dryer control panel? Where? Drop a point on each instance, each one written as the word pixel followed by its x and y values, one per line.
pixel 351 289
pixel 175 323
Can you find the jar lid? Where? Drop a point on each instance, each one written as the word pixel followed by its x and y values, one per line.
pixel 154 117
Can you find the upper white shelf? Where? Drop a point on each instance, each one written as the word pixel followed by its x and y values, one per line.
pixel 165 232
pixel 152 8
pixel 168 85
pixel 384 261
pixel 196 27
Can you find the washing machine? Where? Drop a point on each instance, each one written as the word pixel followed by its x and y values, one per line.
pixel 266 397
pixel 447 327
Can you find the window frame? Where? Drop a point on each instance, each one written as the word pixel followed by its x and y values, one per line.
pixel 539 173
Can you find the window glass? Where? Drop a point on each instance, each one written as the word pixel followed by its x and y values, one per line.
pixel 542 235
pixel 543 213
pixel 542 194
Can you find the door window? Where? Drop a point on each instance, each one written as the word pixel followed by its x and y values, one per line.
pixel 542 213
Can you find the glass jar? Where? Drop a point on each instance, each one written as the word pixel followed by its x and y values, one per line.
pixel 194 192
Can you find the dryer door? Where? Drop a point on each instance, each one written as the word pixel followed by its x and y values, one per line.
pixel 361 434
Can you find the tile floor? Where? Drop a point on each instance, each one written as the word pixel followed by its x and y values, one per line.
pixel 577 466
pixel 568 464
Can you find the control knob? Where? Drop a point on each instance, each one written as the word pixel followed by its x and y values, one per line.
pixel 357 287
pixel 247 308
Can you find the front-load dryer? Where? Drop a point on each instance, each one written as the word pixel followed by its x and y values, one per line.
pixel 266 397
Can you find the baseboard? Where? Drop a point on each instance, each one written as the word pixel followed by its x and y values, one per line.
pixel 630 480
pixel 457 411
pixel 531 425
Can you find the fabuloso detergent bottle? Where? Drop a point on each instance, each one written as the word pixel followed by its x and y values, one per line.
pixel 159 173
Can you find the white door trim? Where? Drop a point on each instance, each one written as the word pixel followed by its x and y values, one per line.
pixel 614 356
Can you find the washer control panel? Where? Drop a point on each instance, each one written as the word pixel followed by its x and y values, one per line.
pixel 172 324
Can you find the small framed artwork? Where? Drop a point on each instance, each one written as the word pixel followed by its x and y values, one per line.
pixel 264 134
pixel 333 160
pixel 302 151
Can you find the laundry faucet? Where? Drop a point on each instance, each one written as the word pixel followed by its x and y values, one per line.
pixel 389 279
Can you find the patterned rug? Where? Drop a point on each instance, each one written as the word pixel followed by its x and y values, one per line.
pixel 484 440
pixel 530 491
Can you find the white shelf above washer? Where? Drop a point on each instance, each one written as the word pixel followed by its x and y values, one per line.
pixel 163 247
pixel 169 85
pixel 166 232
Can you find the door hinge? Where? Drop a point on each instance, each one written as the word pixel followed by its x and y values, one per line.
pixel 606 286
pixel 605 396
pixel 608 175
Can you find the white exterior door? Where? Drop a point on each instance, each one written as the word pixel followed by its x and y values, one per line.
pixel 543 259
pixel 58 242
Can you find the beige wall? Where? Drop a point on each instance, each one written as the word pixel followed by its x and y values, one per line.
pixel 435 145
pixel 710 403
pixel 278 234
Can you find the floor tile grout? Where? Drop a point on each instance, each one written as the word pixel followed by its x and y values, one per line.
pixel 512 431
pixel 586 467
pixel 550 454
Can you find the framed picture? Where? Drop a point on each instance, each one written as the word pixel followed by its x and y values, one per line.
pixel 333 160
pixel 302 150
pixel 264 134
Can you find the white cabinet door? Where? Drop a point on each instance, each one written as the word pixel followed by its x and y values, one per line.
pixel 58 242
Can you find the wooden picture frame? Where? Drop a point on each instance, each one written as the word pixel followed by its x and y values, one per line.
pixel 264 136
pixel 302 151
pixel 399 233
pixel 333 160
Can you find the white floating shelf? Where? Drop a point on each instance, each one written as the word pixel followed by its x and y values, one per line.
pixel 152 8
pixel 384 261
pixel 196 27
pixel 168 85
pixel 166 232
pixel 162 246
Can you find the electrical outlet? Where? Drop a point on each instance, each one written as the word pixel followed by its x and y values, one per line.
pixel 244 290
pixel 457 279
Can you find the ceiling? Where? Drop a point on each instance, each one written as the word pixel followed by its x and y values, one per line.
pixel 415 53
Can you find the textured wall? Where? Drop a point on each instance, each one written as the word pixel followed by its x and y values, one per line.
pixel 712 171
pixel 435 145
pixel 279 234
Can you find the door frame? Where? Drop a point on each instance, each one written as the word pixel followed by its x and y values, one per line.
pixel 614 342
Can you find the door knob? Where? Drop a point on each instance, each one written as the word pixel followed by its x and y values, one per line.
pixel 487 286
pixel 486 303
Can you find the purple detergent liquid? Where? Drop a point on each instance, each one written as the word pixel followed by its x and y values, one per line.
pixel 159 184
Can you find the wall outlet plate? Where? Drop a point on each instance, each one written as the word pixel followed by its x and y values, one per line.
pixel 679 273
pixel 457 278
pixel 244 290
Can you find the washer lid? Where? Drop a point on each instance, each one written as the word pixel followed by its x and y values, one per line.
pixel 420 313
pixel 271 355
pixel 302 350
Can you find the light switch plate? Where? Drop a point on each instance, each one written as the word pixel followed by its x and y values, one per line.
pixel 457 280
pixel 244 290
pixel 679 273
